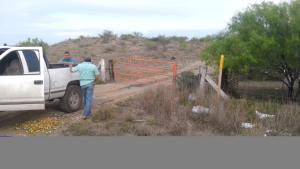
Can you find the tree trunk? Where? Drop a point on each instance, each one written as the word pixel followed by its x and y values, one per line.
pixel 298 92
pixel 291 90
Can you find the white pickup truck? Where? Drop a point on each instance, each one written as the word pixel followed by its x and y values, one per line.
pixel 28 81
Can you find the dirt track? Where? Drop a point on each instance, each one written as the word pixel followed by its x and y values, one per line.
pixel 107 93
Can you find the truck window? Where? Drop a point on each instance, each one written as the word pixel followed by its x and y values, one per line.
pixel 32 61
pixel 11 65
pixel 2 50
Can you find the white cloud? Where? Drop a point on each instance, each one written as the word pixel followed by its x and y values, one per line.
pixel 65 21
pixel 70 18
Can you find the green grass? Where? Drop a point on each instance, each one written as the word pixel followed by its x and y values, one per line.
pixel 262 91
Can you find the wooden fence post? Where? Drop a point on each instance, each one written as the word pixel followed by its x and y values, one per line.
pixel 202 73
pixel 111 70
pixel 101 68
pixel 103 73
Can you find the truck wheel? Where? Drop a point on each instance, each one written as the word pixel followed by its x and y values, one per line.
pixel 72 100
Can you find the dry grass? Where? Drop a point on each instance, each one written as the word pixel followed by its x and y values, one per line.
pixel 158 102
pixel 81 129
pixel 104 114
pixel 226 117
pixel 286 121
pixel 165 111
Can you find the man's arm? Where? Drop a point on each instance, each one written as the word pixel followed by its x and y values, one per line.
pixel 70 66
pixel 73 69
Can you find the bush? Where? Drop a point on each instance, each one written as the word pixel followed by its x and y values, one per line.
pixel 107 36
pixel 127 37
pixel 138 35
pixel 151 45
pixel 178 38
pixel 187 80
pixel 35 42
pixel 109 49
pixel 183 45
pixel 104 114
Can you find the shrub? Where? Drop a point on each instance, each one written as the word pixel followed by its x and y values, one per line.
pixel 109 49
pixel 35 42
pixel 183 45
pixel 187 80
pixel 137 35
pixel 104 114
pixel 107 36
pixel 151 45
pixel 127 37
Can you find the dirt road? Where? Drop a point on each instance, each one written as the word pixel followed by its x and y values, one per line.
pixel 19 123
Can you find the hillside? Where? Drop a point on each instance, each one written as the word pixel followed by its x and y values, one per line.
pixel 111 46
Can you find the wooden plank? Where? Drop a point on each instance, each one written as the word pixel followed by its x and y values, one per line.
pixel 215 87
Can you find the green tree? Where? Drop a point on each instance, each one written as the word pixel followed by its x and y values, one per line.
pixel 264 39
pixel 107 36
pixel 35 42
pixel 127 37
pixel 163 40
pixel 138 35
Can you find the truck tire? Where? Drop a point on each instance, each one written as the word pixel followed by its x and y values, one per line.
pixel 72 100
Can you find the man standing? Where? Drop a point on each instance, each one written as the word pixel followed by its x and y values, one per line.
pixel 88 75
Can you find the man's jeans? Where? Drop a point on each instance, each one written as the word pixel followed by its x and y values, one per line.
pixel 87 92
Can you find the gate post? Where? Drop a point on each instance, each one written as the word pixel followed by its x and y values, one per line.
pixel 111 70
pixel 102 70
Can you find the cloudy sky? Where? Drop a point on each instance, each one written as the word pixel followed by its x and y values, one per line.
pixel 56 20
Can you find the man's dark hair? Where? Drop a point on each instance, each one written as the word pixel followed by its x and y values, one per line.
pixel 67 52
pixel 88 59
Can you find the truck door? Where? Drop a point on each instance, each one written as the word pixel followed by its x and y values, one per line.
pixel 22 80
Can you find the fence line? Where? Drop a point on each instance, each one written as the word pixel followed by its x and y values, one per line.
pixel 206 78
